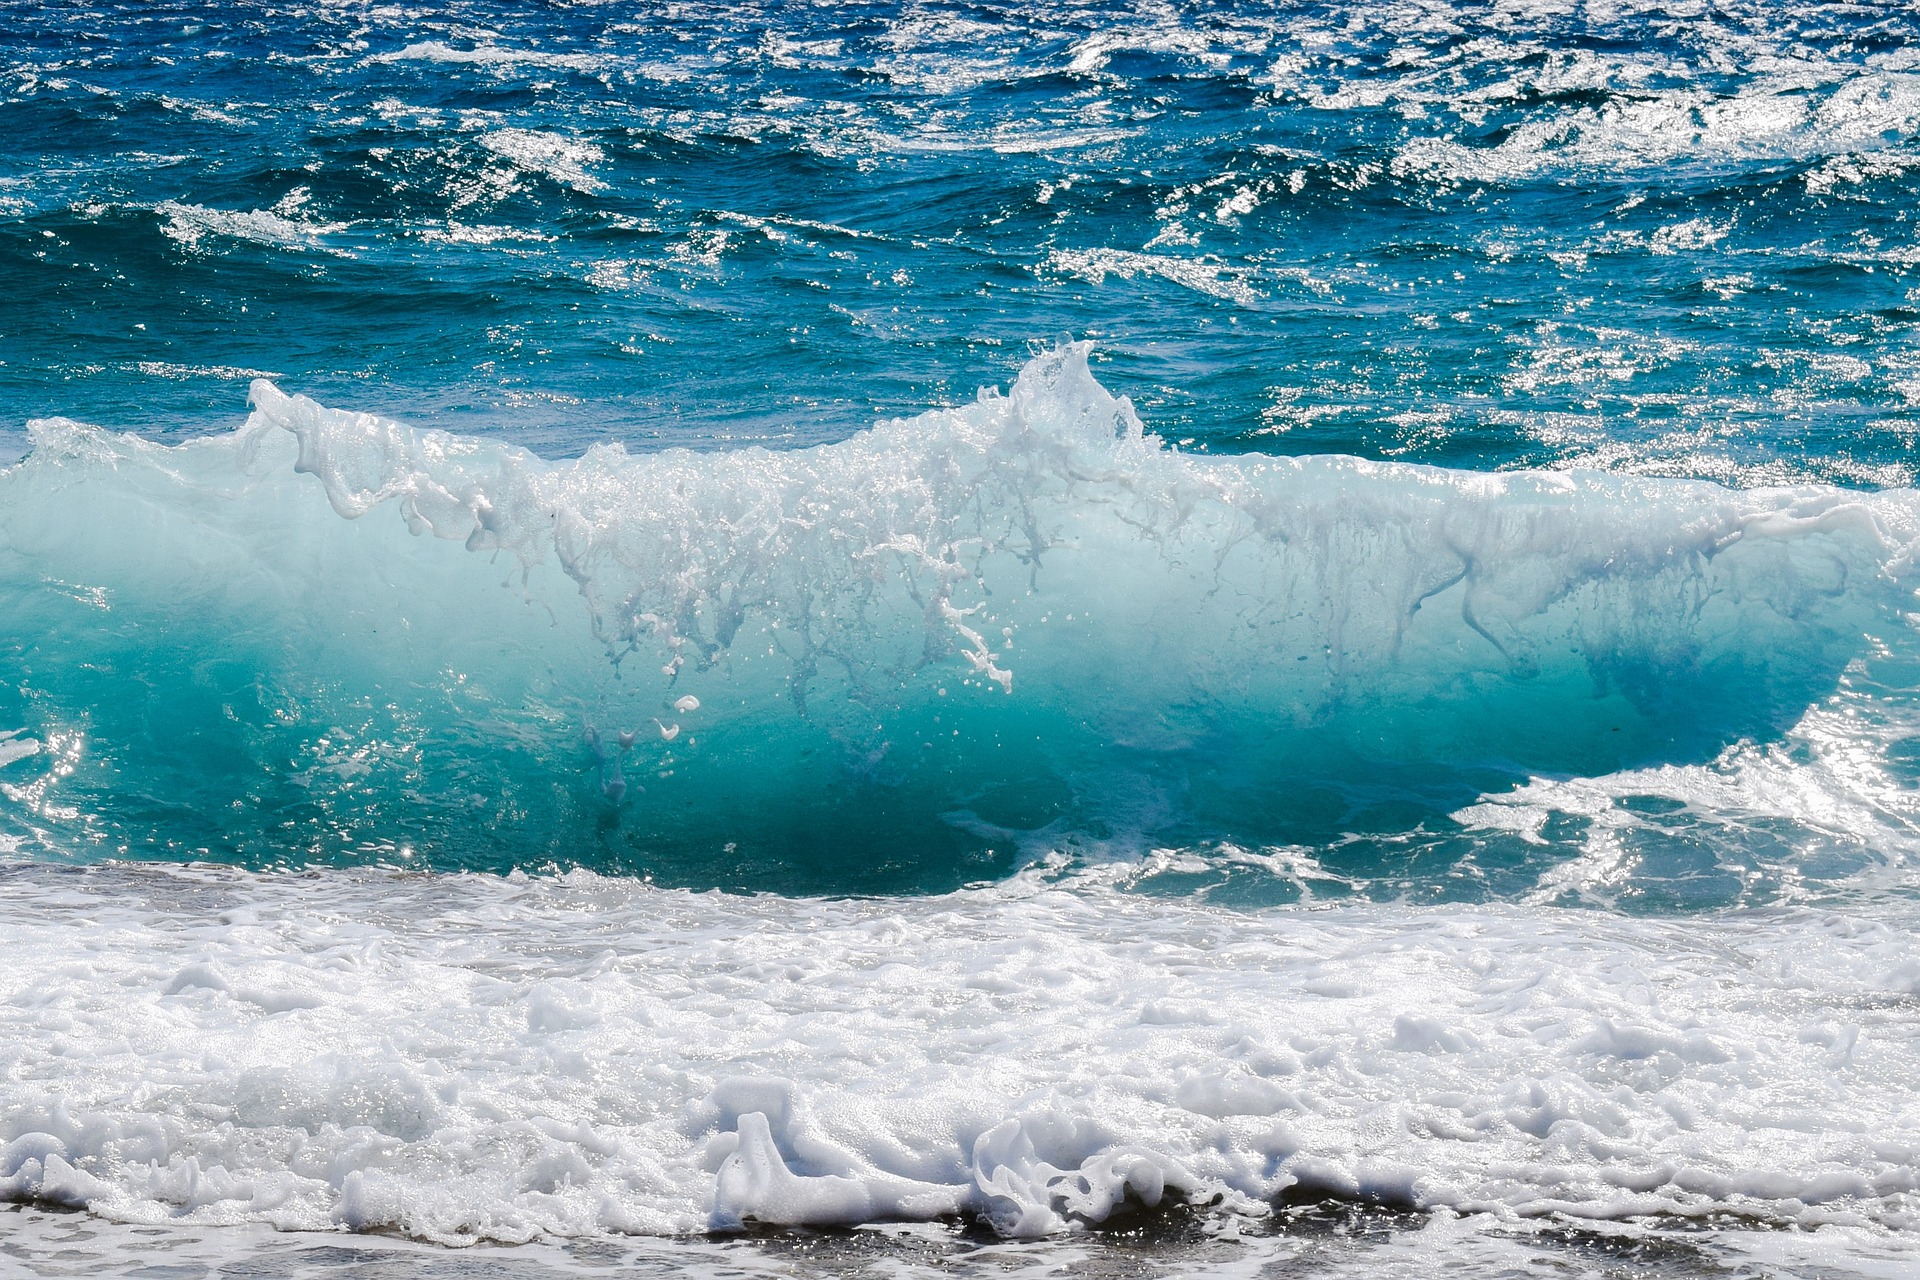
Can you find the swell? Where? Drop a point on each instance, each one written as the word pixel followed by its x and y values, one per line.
pixel 895 662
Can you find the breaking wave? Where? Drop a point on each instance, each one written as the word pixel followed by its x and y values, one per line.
pixel 1022 619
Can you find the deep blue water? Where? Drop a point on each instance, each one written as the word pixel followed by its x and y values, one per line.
pixel 1652 237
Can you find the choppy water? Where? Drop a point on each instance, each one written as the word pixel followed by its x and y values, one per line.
pixel 1356 710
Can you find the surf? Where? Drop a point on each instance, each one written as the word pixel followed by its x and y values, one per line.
pixel 326 636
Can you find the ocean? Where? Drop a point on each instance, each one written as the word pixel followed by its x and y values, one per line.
pixel 905 639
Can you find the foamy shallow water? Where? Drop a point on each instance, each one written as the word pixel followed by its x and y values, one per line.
pixel 468 1058
pixel 1331 1243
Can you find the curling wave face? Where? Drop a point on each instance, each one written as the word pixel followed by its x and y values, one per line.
pixel 978 634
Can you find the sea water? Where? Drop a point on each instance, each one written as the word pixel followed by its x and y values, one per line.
pixel 856 639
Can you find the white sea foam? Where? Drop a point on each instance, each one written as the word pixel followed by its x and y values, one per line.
pixel 1829 782
pixel 1203 275
pixel 473 1058
pixel 1213 49
pixel 564 160
pixel 463 234
pixel 1018 139
pixel 494 56
pixel 1862 113
pixel 182 372
pixel 190 225
pixel 14 745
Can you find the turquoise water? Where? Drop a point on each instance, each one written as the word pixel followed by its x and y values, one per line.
pixel 1264 480
pixel 1473 238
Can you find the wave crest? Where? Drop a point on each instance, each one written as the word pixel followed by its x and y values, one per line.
pixel 1025 615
